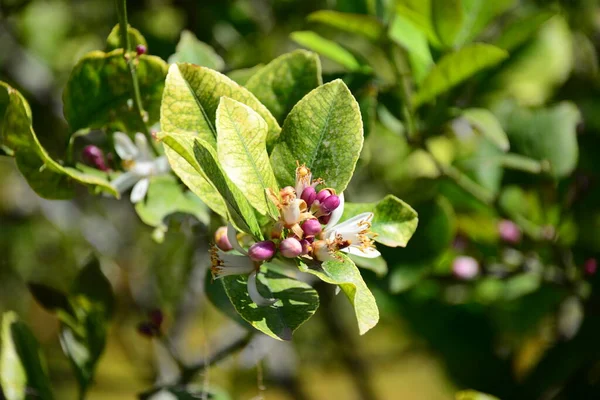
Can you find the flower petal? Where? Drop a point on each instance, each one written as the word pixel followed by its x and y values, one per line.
pixel 139 190
pixel 161 165
pixel 354 224
pixel 124 146
pixel 255 295
pixel 336 214
pixel 143 147
pixel 232 237
pixel 369 252
pixel 124 181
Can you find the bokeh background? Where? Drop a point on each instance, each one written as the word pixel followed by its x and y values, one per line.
pixel 529 331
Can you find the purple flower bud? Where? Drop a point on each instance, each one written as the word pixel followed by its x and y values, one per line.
pixel 590 266
pixel 330 203
pixel 305 246
pixel 94 156
pixel 290 247
pixel 311 227
pixel 156 317
pixel 465 267
pixel 309 194
pixel 324 219
pixel 509 231
pixel 221 239
pixel 141 49
pixel 323 194
pixel 262 251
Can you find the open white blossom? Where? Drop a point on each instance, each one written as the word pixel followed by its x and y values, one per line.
pixel 354 232
pixel 139 164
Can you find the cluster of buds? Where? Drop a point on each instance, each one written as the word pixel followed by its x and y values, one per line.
pixel 307 228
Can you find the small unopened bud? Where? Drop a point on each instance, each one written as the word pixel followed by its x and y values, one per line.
pixel 309 194
pixel 323 194
pixel 590 266
pixel 221 239
pixel 156 317
pixel 330 204
pixel 290 248
pixel 311 227
pixel 262 251
pixel 509 231
pixel 94 156
pixel 465 267
pixel 141 49
pixel 306 247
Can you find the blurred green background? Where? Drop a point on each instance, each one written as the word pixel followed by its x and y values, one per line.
pixel 526 329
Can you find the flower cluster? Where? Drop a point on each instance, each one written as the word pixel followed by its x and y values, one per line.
pixel 307 229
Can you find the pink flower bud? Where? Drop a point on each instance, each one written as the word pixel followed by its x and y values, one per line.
pixel 309 194
pixel 140 49
pixel 311 227
pixel 509 231
pixel 465 267
pixel 325 219
pixel 323 194
pixel 221 239
pixel 147 329
pixel 262 251
pixel 94 156
pixel 290 247
pixel 330 203
pixel 305 246
pixel 590 266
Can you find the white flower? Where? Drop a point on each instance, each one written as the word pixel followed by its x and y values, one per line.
pixel 229 263
pixel 139 163
pixel 355 232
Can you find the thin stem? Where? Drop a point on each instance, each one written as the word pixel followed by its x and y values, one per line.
pixel 126 45
pixel 525 164
pixel 190 371
pixel 403 75
pixel 465 183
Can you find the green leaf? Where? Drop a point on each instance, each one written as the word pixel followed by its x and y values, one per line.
pixel 329 49
pixel 454 68
pixel 486 123
pixel 284 81
pixel 344 273
pixel 521 30
pixel 447 17
pixel 165 197
pixel 242 75
pixel 546 134
pixel 193 51
pixel 22 367
pixel 191 98
pixel 419 12
pixel 46 177
pixel 364 25
pixel 297 302
pixel 324 131
pixel 407 35
pixel 478 14
pixel 83 339
pixel 474 395
pixel 242 153
pixel 179 149
pixel 98 93
pixel 394 221
pixel 239 209
pixel 51 299
pixel 377 264
pixel 215 292
pixel 113 41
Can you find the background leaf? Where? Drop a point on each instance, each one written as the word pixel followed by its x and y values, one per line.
pixel 447 17
pixel 363 25
pixel 456 67
pixel 324 130
pixel 344 273
pixel 327 48
pixel 284 81
pixel 486 123
pixel 22 367
pixel 193 51
pixel 296 303
pixel 394 221
pixel 98 92
pixel 113 41
pixel 242 152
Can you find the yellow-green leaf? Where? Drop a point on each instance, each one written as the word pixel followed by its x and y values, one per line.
pixel 364 25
